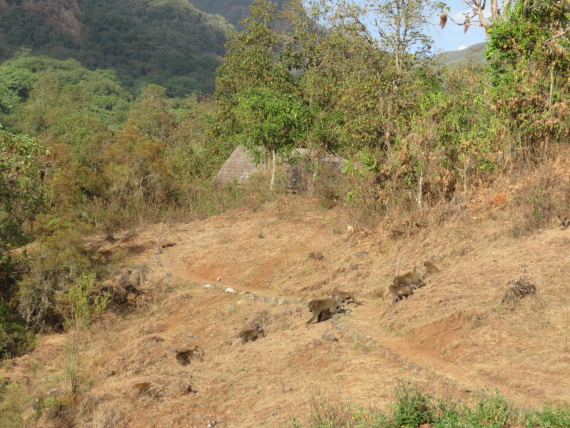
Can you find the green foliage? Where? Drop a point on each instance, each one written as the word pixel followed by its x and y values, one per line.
pixel 271 121
pixel 549 418
pixel 50 267
pixel 15 338
pixel 527 54
pixel 20 27
pixel 64 90
pixel 401 28
pixel 151 114
pixel 141 40
pixel 413 407
pixel 233 11
pixel 252 58
pixel 12 405
pixel 15 86
pixel 494 411
pixel 82 302
pixel 191 153
pixel 22 191
pixel 156 39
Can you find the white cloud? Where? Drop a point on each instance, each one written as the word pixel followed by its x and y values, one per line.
pixel 459 17
pixel 460 48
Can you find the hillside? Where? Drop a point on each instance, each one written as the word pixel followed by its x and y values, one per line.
pixel 170 43
pixel 473 54
pixel 233 10
pixel 453 336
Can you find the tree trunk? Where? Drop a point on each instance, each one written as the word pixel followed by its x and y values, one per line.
pixel 272 169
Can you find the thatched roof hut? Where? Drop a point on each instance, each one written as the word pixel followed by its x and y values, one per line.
pixel 239 167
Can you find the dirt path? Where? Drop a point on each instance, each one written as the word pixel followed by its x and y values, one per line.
pixel 365 320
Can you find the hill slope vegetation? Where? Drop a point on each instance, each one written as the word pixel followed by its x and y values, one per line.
pixel 166 42
pixel 214 277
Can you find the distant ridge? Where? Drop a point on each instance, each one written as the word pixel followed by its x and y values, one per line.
pixel 233 10
pixel 474 54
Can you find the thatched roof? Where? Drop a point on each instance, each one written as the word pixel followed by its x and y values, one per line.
pixel 240 166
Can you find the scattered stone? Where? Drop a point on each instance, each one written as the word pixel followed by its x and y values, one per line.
pixel 193 336
pixel 356 266
pixel 287 388
pixel 184 296
pixel 55 392
pixel 219 278
pixel 361 254
pixel 136 370
pixel 230 290
pixel 111 373
pixel 208 285
pixel 315 342
pixel 332 336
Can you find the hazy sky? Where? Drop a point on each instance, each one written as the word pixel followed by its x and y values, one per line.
pixel 451 38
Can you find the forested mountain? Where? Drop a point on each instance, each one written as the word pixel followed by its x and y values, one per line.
pixel 170 42
pixel 474 54
pixel 233 10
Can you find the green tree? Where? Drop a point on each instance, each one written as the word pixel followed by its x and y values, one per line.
pixel 151 114
pixel 401 26
pixel 15 85
pixel 529 69
pixel 252 62
pixel 23 193
pixel 270 123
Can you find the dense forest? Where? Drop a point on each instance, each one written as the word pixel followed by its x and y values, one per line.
pixel 167 42
pixel 104 129
pixel 233 10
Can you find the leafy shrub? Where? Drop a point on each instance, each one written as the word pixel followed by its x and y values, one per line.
pixel 494 411
pixel 58 260
pixel 412 407
pixel 15 339
pixel 550 418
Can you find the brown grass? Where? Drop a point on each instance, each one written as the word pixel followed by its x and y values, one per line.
pixel 453 335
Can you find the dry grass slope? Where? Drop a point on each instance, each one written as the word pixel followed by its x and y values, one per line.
pixel 453 334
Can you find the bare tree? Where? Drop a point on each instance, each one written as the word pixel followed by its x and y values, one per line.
pixel 401 26
pixel 476 16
